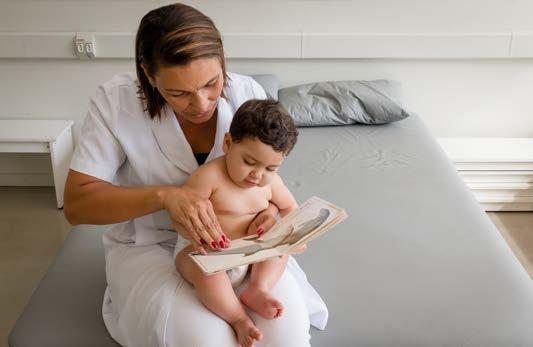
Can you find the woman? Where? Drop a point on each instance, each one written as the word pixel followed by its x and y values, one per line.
pixel 140 141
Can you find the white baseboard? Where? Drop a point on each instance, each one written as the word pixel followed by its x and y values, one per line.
pixel 25 169
pixel 508 189
pixel 498 170
pixel 26 179
pixel 502 206
pixel 506 203
pixel 495 177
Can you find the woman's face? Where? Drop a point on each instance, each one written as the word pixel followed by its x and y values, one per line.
pixel 191 90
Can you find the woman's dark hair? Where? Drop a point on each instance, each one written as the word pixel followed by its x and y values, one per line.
pixel 173 35
pixel 266 120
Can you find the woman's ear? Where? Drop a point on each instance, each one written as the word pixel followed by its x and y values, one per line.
pixel 227 143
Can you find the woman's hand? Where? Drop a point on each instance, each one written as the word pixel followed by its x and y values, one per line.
pixel 194 216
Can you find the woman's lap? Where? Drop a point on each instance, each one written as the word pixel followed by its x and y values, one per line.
pixel 142 284
pixel 292 328
pixel 153 306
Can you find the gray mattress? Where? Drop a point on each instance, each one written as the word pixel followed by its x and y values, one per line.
pixel 417 263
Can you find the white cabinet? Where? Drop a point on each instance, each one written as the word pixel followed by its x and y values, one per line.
pixel 498 170
pixel 41 136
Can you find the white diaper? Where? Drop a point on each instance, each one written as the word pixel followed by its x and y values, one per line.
pixel 236 275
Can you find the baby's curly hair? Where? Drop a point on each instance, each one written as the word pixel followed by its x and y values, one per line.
pixel 266 120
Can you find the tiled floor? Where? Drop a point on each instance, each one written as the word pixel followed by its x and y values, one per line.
pixel 517 229
pixel 32 230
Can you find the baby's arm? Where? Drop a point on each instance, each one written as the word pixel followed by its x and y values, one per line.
pixel 282 197
pixel 202 181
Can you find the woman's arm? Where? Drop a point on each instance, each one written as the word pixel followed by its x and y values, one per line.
pixel 89 200
pixel 282 197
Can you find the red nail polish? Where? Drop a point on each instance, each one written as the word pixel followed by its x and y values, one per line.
pixel 221 243
pixel 224 238
pixel 260 231
pixel 202 241
pixel 214 244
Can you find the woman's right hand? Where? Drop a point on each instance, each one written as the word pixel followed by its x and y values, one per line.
pixel 194 216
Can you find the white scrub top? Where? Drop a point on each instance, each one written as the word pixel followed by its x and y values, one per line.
pixel 120 144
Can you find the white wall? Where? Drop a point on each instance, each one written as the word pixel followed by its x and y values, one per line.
pixel 483 92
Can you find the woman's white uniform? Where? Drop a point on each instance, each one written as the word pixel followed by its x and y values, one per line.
pixel 147 303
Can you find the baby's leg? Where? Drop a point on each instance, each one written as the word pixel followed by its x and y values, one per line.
pixel 263 277
pixel 217 294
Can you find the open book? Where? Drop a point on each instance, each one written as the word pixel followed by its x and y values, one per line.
pixel 312 218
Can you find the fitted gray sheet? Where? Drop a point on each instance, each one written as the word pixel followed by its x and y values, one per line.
pixel 65 309
pixel 417 263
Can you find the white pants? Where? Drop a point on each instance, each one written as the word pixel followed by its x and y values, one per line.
pixel 147 303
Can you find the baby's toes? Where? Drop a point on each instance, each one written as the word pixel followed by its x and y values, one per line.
pixel 256 334
pixel 245 341
pixel 279 313
pixel 276 308
pixel 249 342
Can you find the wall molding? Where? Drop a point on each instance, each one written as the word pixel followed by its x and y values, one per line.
pixel 60 45
pixel 25 179
pixel 521 45
pixel 490 45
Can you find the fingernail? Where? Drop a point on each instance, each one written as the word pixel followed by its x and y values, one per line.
pixel 224 238
pixel 214 244
pixel 221 243
pixel 202 241
pixel 260 231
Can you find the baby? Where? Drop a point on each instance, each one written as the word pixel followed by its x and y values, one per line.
pixel 240 184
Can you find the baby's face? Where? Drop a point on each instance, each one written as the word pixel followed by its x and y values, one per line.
pixel 250 162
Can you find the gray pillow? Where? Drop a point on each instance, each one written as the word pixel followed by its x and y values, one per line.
pixel 344 102
pixel 269 83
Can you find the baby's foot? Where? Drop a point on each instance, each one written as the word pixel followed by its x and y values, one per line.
pixel 247 333
pixel 261 302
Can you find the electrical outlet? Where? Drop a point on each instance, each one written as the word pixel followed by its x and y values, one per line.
pixel 89 50
pixel 85 46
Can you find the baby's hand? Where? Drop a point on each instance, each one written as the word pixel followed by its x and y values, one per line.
pixel 262 223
